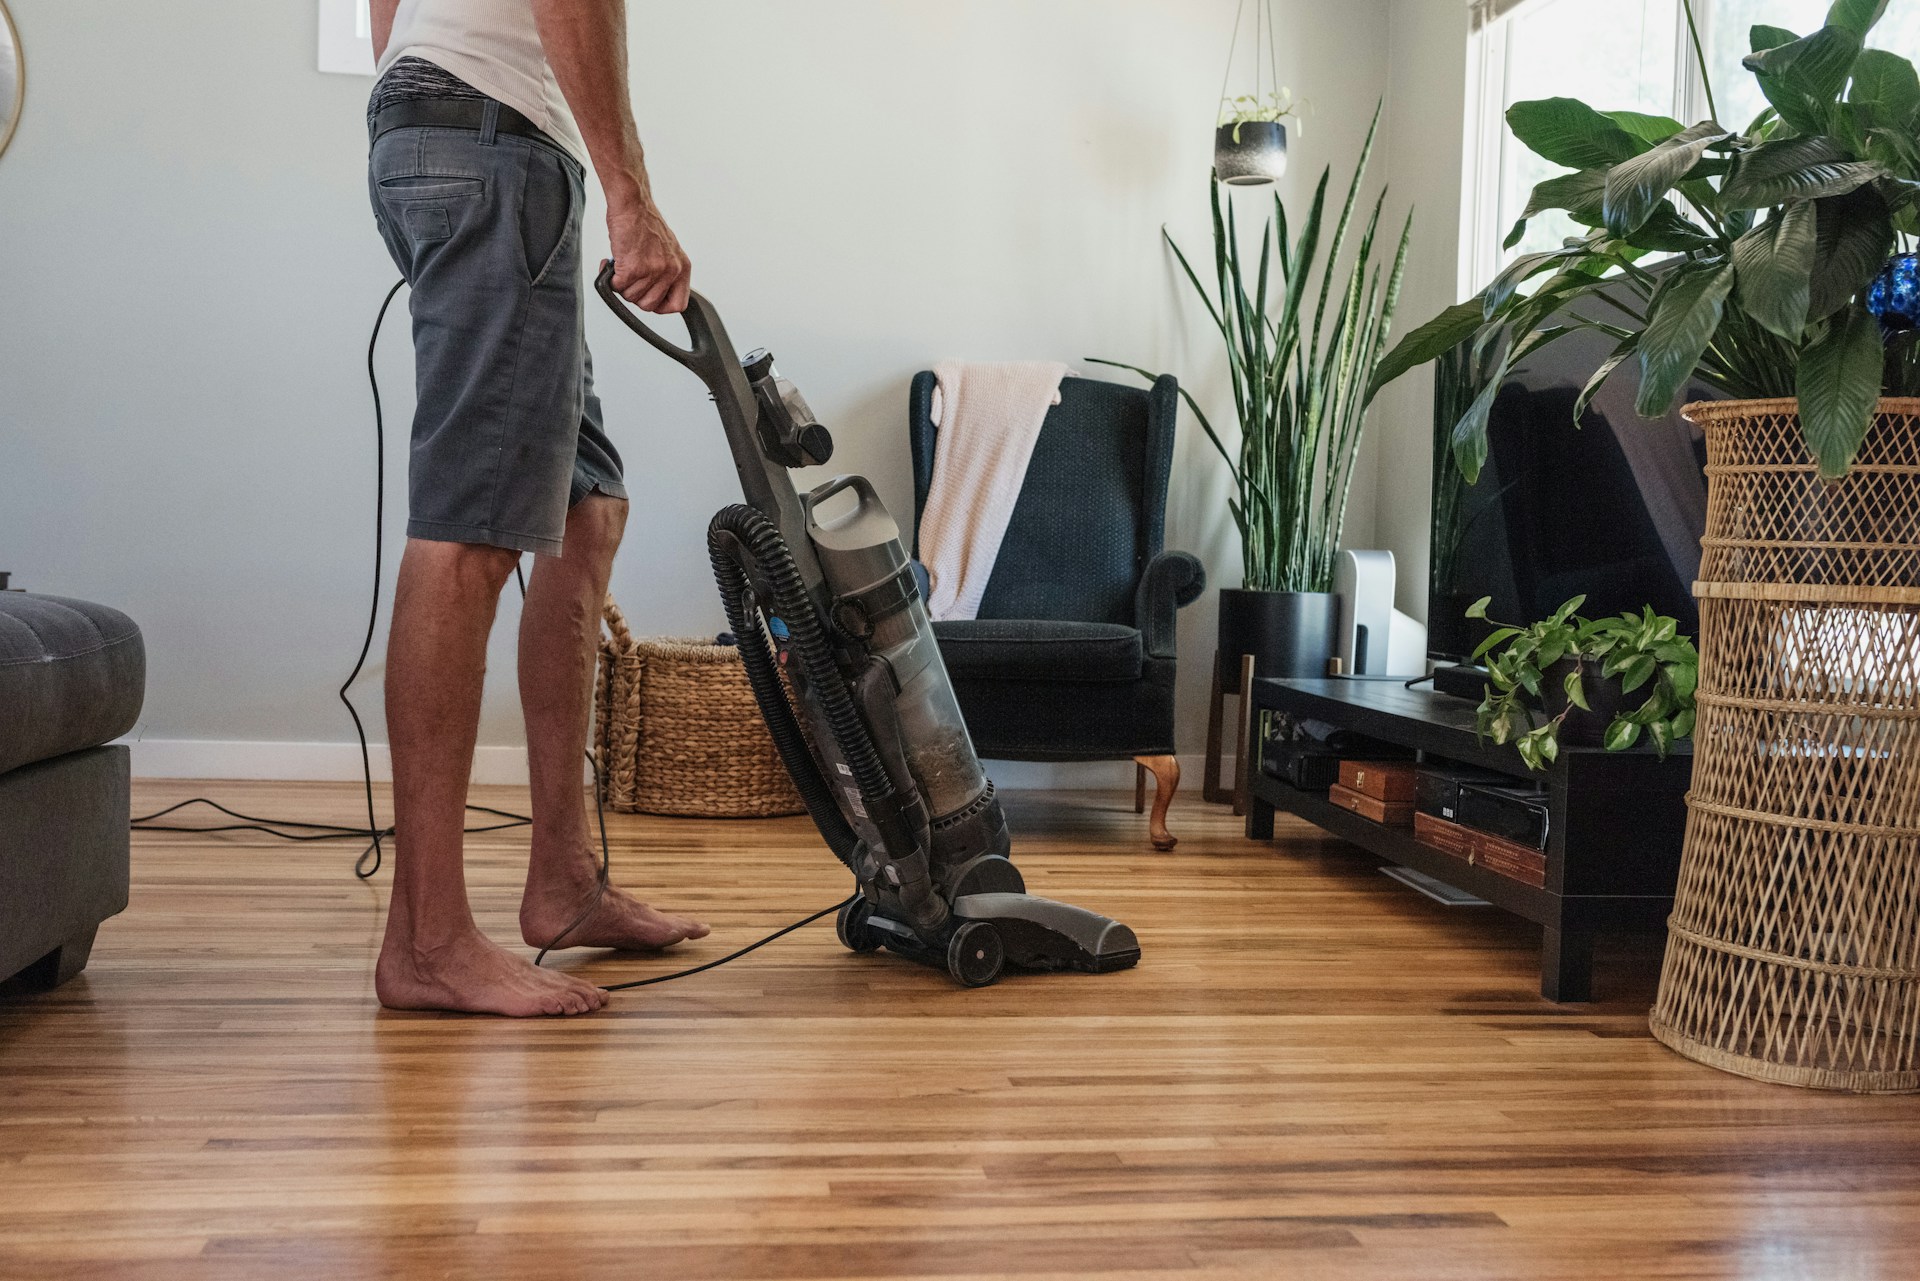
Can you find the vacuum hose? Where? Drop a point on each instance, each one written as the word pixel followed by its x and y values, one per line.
pixel 739 528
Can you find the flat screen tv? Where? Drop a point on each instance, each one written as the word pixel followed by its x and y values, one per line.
pixel 1613 509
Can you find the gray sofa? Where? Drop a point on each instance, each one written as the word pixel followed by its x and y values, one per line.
pixel 72 678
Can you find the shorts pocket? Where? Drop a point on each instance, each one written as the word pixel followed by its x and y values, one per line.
pixel 430 187
pixel 549 214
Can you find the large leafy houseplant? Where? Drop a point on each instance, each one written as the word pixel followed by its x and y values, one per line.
pixel 1302 363
pixel 1780 228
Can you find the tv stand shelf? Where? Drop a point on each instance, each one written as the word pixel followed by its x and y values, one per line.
pixel 1614 835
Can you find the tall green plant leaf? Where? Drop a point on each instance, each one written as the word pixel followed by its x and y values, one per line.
pixel 1884 84
pixel 1804 78
pixel 1628 348
pixel 1435 338
pixel 1854 237
pixel 1856 16
pixel 1648 129
pixel 1838 386
pixel 1470 433
pixel 1669 231
pixel 1636 186
pixel 1794 169
pixel 1685 314
pixel 1579 194
pixel 1518 272
pixel 1571 134
pixel 1773 265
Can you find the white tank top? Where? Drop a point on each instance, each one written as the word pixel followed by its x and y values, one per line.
pixel 494 46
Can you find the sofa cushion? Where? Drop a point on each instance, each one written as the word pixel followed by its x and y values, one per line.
pixel 1039 650
pixel 72 675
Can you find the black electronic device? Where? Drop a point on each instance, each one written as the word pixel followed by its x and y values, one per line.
pixel 1306 754
pixel 1310 767
pixel 1513 812
pixel 1436 787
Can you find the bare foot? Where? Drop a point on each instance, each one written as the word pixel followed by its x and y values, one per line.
pixel 476 976
pixel 618 920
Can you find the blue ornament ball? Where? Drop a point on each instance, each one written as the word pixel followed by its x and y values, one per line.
pixel 1894 295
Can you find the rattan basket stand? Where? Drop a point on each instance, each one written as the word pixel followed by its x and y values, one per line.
pixel 1793 951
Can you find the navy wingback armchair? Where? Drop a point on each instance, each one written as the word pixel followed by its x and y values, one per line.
pixel 1072 656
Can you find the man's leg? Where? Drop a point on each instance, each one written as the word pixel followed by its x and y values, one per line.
pixel 434 956
pixel 559 645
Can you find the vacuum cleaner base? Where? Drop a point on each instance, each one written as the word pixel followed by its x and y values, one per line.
pixel 992 931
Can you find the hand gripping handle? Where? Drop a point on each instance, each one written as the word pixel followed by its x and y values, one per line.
pixel 703 356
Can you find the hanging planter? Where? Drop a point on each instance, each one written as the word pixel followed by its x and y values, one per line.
pixel 1250 152
pixel 1250 137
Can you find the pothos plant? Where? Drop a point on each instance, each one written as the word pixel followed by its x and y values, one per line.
pixel 1636 651
pixel 1270 108
pixel 1779 226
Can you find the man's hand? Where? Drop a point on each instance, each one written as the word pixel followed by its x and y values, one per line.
pixel 650 270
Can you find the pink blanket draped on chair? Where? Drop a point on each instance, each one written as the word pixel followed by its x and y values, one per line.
pixel 989 416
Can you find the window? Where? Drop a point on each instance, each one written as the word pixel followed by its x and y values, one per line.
pixel 346 37
pixel 1631 55
pixel 1727 23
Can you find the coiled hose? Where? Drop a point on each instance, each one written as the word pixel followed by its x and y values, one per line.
pixel 742 527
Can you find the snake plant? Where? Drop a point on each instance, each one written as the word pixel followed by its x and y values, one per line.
pixel 1303 363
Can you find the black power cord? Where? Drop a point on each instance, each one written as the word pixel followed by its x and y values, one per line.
pixel 373 832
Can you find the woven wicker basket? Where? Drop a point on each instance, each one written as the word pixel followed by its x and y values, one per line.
pixel 677 731
pixel 1793 952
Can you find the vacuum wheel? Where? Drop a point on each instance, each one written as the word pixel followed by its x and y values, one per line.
pixel 856 934
pixel 975 954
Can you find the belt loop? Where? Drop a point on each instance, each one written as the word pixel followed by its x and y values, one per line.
pixel 489 122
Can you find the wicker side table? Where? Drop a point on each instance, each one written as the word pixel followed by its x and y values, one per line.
pixel 1793 952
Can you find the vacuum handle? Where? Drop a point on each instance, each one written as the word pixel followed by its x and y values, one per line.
pixel 700 356
pixel 861 486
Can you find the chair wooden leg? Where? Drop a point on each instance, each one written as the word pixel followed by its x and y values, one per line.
pixel 1166 778
pixel 1210 789
pixel 1139 788
pixel 1243 758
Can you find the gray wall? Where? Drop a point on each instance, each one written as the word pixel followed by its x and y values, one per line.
pixel 190 269
pixel 1425 121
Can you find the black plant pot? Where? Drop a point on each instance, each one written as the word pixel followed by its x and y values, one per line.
pixel 1604 697
pixel 1288 633
pixel 1250 153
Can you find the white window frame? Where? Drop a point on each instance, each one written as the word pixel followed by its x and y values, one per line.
pixel 1481 255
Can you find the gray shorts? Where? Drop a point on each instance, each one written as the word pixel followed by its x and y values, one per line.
pixel 508 434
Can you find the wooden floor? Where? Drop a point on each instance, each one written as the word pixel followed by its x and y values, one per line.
pixel 1314 1073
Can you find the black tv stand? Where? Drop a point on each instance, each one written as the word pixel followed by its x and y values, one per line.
pixel 1617 819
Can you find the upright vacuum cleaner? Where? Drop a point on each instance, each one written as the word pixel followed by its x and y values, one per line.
pixel 843 663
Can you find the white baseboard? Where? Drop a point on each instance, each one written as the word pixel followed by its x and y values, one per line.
pixel 297 762
pixel 340 762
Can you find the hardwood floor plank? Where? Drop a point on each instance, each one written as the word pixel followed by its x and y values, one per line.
pixel 1313 1073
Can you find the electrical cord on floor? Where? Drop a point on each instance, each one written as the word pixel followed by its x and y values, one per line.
pixel 373 833
pixel 732 956
pixel 605 878
pixel 301 831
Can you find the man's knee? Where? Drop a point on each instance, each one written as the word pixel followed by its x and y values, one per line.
pixel 478 566
pixel 597 521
